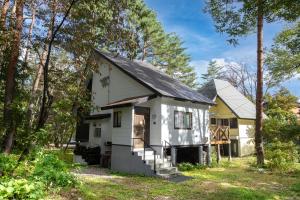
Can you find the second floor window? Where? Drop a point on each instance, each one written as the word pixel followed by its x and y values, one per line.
pixel 117 119
pixel 182 120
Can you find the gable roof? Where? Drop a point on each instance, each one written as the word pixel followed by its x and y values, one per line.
pixel 236 101
pixel 155 80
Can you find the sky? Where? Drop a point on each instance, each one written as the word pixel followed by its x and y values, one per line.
pixel 203 43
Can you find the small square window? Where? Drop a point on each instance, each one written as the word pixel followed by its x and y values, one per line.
pixel 182 120
pixel 97 132
pixel 233 123
pixel 117 119
pixel 213 121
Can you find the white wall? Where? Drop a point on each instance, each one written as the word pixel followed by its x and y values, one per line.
pixel 246 136
pixel 120 86
pixel 123 134
pixel 200 122
pixel 105 125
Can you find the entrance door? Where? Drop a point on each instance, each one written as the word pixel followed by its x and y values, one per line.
pixel 141 126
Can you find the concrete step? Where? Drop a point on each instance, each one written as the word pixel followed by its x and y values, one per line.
pixel 169 175
pixel 167 170
pixel 141 153
pixel 151 157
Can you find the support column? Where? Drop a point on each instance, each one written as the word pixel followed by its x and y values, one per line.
pixel 173 155
pixel 229 151
pixel 209 155
pixel 218 154
pixel 201 160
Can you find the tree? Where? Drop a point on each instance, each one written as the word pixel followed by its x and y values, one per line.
pixel 213 72
pixel 283 60
pixel 241 18
pixel 10 78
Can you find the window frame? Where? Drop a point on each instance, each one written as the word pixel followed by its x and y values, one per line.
pixel 183 114
pixel 117 119
pixel 215 120
pixel 95 131
pixel 231 122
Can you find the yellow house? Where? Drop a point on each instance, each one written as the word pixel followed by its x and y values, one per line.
pixel 232 109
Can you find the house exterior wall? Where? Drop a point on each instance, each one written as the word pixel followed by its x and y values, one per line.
pixel 122 135
pixel 246 136
pixel 199 132
pixel 245 131
pixel 221 110
pixel 105 125
pixel 120 86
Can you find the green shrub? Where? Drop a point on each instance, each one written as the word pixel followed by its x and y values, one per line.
pixel 281 155
pixel 21 189
pixel 52 171
pixel 185 166
pixel 7 163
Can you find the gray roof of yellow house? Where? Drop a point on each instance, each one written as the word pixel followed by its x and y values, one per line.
pixel 155 80
pixel 241 106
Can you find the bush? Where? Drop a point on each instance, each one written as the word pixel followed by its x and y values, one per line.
pixel 52 171
pixel 7 164
pixel 21 189
pixel 185 166
pixel 281 155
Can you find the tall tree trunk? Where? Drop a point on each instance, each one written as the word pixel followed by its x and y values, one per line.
pixel 10 78
pixel 259 92
pixel 4 14
pixel 33 12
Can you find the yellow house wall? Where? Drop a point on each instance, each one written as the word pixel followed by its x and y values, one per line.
pixel 222 111
pixel 245 131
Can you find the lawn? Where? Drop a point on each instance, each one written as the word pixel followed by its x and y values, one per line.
pixel 236 181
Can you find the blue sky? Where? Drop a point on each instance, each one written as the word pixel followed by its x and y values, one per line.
pixel 203 43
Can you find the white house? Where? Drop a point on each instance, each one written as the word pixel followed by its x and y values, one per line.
pixel 146 121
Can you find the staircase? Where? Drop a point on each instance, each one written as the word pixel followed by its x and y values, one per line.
pixel 162 167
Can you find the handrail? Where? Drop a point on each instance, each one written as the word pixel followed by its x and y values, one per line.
pixel 148 146
pixel 165 152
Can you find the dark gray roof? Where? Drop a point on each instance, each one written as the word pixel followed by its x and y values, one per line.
pixel 236 101
pixel 155 80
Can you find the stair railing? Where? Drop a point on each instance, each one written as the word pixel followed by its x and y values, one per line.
pixel 165 146
pixel 146 146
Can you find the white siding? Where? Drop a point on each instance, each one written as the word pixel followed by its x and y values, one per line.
pixel 246 136
pixel 120 86
pixel 123 134
pixel 105 125
pixel 199 131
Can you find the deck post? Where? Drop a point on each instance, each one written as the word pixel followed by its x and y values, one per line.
pixel 209 154
pixel 218 154
pixel 201 155
pixel 173 155
pixel 229 151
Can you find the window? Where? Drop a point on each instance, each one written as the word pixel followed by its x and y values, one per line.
pixel 233 123
pixel 117 119
pixel 97 132
pixel 223 122
pixel 182 120
pixel 213 121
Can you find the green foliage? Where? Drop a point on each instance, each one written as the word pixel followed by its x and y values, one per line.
pixel 213 71
pixel 239 18
pixel 281 122
pixel 52 171
pixel 34 177
pixel 185 166
pixel 283 60
pixel 7 163
pixel 282 99
pixel 21 189
pixel 281 155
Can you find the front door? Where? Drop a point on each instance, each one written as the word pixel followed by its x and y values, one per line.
pixel 141 126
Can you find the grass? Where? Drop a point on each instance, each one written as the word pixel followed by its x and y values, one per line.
pixel 236 181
